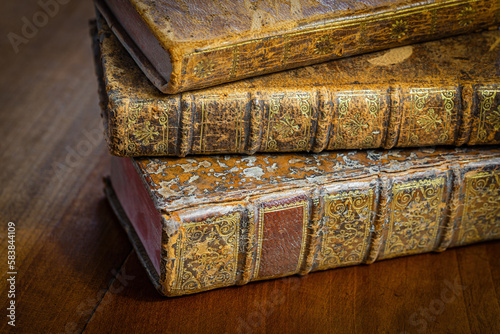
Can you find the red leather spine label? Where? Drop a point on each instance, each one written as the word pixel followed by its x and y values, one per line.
pixel 282 230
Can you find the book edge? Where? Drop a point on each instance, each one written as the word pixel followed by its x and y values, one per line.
pixel 202 200
pixel 165 85
pixel 132 235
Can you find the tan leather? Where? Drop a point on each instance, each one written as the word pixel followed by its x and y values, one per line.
pixel 445 92
pixel 214 42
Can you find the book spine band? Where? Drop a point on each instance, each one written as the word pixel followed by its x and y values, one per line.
pixel 314 119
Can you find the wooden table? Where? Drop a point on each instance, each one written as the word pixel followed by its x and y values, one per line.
pixel 77 272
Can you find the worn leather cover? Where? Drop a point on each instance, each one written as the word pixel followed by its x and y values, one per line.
pixel 213 42
pixel 228 220
pixel 445 92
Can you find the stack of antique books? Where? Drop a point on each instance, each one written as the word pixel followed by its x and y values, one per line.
pixel 264 138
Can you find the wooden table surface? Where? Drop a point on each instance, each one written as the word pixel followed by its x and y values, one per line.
pixel 77 272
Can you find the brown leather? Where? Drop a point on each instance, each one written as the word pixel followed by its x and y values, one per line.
pixel 283 223
pixel 228 220
pixel 214 42
pixel 443 92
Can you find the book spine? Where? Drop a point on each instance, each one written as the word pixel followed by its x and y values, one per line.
pixel 344 223
pixel 361 33
pixel 309 119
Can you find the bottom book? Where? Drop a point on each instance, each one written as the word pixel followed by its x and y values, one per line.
pixel 215 221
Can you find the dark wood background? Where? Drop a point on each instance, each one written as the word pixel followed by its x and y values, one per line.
pixel 77 271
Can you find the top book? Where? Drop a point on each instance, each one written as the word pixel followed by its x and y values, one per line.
pixel 183 45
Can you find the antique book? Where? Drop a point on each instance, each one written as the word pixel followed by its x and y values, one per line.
pixel 207 222
pixel 444 92
pixel 183 45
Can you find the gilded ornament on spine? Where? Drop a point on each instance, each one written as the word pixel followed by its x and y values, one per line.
pixel 360 122
pixel 346 227
pixel 289 124
pixel 488 128
pixel 207 254
pixel 415 214
pixel 481 213
pixel 163 120
pixel 430 117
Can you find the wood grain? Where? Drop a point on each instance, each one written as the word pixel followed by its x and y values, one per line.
pixel 76 270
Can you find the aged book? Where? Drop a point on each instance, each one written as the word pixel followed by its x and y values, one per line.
pixel 190 44
pixel 215 221
pixel 445 92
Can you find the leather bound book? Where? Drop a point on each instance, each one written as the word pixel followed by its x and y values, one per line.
pixel 208 222
pixel 444 92
pixel 183 45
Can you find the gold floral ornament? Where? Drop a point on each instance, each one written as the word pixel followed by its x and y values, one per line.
pixel 146 134
pixel 429 121
pixel 204 68
pixel 494 119
pixel 286 126
pixel 466 16
pixel 356 124
pixel 323 45
pixel 399 29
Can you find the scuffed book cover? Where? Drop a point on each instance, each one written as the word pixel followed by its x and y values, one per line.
pixel 445 92
pixel 191 44
pixel 216 221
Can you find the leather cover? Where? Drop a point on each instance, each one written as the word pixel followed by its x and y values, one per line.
pixel 229 220
pixel 213 42
pixel 445 92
